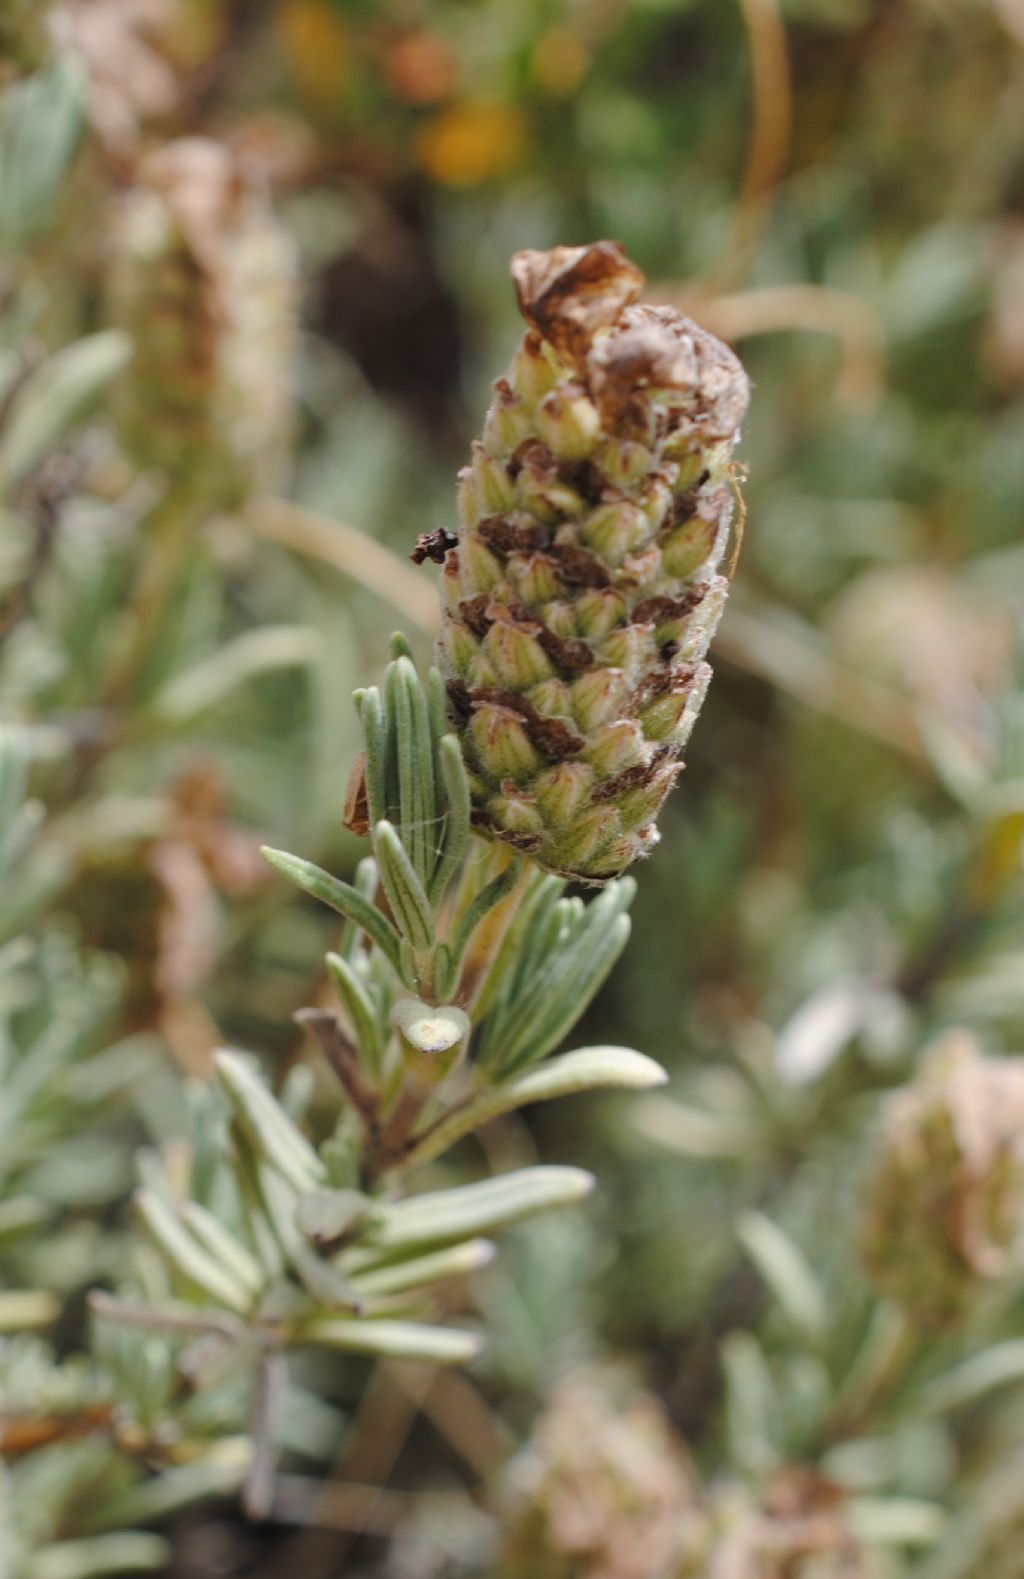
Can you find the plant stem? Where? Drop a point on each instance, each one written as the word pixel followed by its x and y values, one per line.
pixel 486 943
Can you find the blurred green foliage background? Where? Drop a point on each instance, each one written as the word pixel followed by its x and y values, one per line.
pixel 253 291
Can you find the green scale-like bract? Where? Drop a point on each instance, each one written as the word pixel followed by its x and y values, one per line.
pixel 585 585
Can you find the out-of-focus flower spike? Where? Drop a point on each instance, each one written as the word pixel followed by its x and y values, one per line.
pixel 202 277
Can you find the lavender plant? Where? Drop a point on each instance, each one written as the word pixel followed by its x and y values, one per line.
pixel 831 1325
pixel 463 965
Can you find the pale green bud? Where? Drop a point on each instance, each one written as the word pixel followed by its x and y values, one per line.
pixel 641 805
pixel 551 697
pixel 517 657
pixel 632 649
pixel 624 463
pixel 655 499
pixel 479 569
pixel 588 835
pixel 598 696
pixel 563 791
pixel 535 578
pixel 501 747
pixel 460 649
pixel 569 424
pixel 616 746
pixel 493 489
pixel 534 373
pixel 690 544
pixel 560 617
pixel 660 718
pixel 598 613
pixel 548 498
pixel 516 812
pixel 508 423
pixel 613 530
pixel 704 622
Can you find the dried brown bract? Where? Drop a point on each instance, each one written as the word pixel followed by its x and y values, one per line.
pixel 568 293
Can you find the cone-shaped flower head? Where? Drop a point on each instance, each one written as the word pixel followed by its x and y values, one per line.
pixel 945 1195
pixel 793 1522
pixel 585 585
pixel 202 276
pixel 602 1492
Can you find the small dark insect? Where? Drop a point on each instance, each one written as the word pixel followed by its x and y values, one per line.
pixel 433 545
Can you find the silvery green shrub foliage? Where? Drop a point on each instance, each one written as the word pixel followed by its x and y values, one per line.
pixel 805 1258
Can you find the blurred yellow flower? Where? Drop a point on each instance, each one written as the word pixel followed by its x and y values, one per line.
pixel 472 142
pixel 315 42
pixel 559 61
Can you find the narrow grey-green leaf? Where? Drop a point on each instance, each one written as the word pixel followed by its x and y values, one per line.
pixel 406 895
pixel 348 901
pixel 752 1403
pixel 586 1069
pixel 416 772
pixel 472 1209
pixel 323 1281
pixel 366 883
pixel 690 1131
pixel 97 1556
pixel 217 1473
pixel 165 1315
pixel 262 1239
pixel 895 1521
pixel 457 816
pixel 994 1368
pixel 543 1021
pixel 786 1271
pixel 375 734
pixel 446 972
pixel 41 120
pixel 547 1003
pixel 267 1124
pixel 212 681
pixel 437 714
pixel 186 1256
pixel 360 1010
pixel 527 944
pixel 405 1340
pixel 392 712
pixel 57 396
pixel 223 1246
pixel 398 1277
